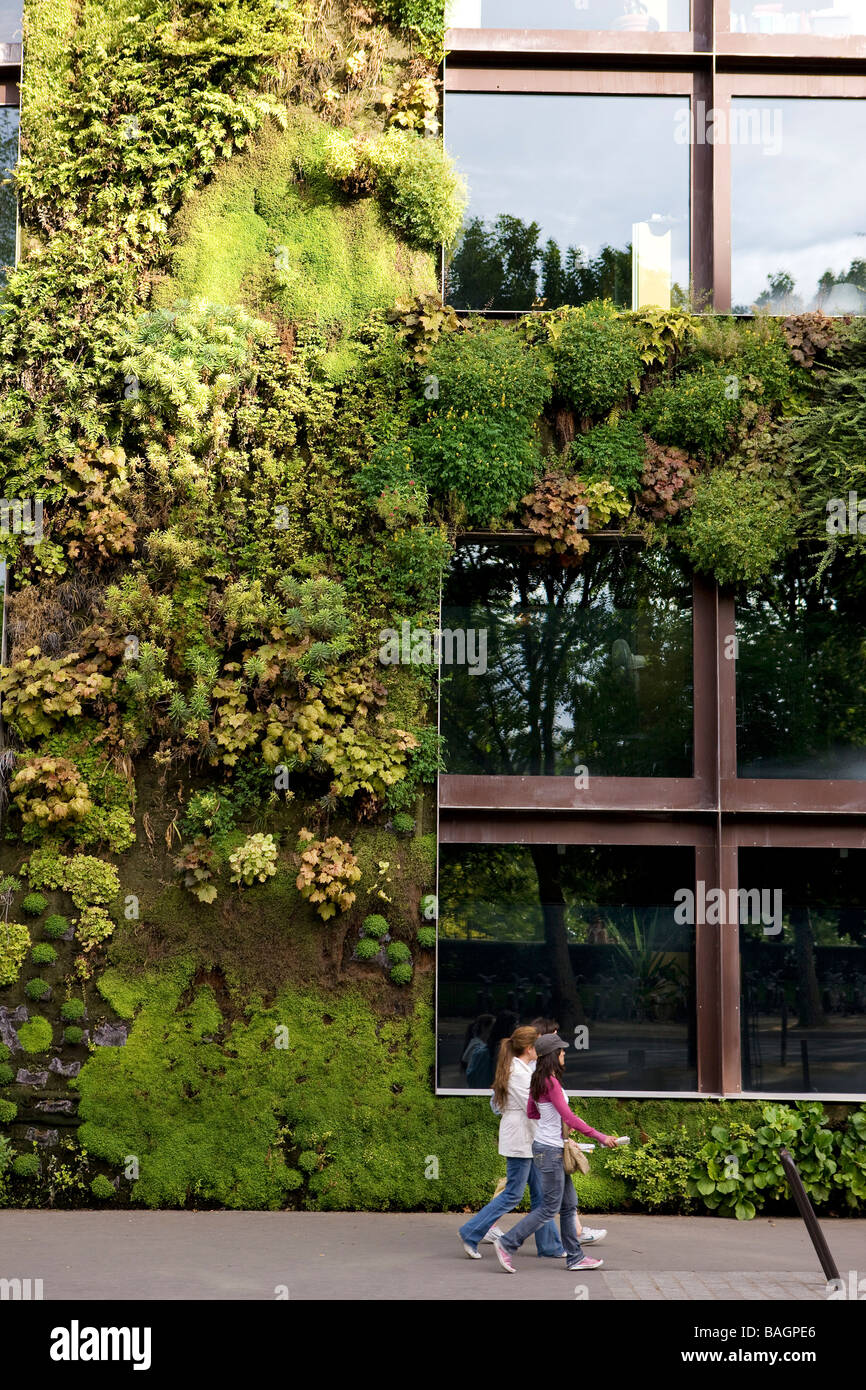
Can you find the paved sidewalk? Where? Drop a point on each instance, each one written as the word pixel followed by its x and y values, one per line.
pixel 374 1257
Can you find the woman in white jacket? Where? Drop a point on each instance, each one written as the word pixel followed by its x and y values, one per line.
pixel 514 1067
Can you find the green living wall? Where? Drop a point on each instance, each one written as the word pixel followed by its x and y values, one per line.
pixel 255 432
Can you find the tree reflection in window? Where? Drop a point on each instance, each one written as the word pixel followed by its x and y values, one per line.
pixel 589 666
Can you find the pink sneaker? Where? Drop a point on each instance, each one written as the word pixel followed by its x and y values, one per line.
pixel 586 1263
pixel 505 1259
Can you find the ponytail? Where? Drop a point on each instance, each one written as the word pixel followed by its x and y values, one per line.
pixel 521 1039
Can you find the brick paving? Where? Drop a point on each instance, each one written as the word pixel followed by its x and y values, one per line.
pixel 739 1285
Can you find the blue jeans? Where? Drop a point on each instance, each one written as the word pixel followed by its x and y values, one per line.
pixel 558 1195
pixel 518 1172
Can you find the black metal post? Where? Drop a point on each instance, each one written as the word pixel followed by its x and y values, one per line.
pixel 807 1211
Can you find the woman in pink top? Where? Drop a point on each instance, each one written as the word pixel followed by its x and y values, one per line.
pixel 548 1105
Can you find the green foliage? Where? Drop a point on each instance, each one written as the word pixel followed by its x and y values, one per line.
pixel 375 925
pixel 327 869
pixel 73 1037
pixel 102 1188
pixel 43 954
pixel 401 974
pixel 90 882
pixel 740 526
pixel 26 1166
pixel 610 453
pixel 49 793
pixel 850 1175
pixel 8 1111
pixel 36 1035
pixel 55 926
pixel 596 359
pixel 7 1074
pixel 397 951
pixel 33 904
pixel 5 1154
pixel 402 823
pixel 14 945
pixel 421 191
pixel 254 861
pixel 427 938
pixel 738 1170
pixel 38 692
pixel 657 1171
pixel 367 949
pixel 426 17
pixel 197 865
pixel 37 988
pixel 696 412
pixel 71 1010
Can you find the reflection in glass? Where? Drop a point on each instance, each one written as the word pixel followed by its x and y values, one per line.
pixel 8 205
pixel 546 223
pixel 10 21
pixel 586 667
pixel 584 935
pixel 798 210
pixel 804 989
pixel 634 15
pixel 790 17
pixel 801 674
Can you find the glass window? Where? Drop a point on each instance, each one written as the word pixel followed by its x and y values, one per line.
pixel 583 935
pixel 792 17
pixel 804 972
pixel 587 667
pixel 8 204
pixel 636 15
pixel 801 674
pixel 546 222
pixel 10 21
pixel 798 204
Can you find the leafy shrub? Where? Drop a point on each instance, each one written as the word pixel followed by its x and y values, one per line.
pixel 26 1166
pixel 308 1160
pixel 397 951
pixel 327 869
pixel 850 1175
pixel 375 925
pixel 810 336
pixel 34 904
pixel 740 526
pixel 14 945
pixel 37 988
pixel 56 926
pixel 658 1170
pixel 7 1074
pixel 403 823
pixel 91 882
pixel 102 1188
pixel 610 453
pixel 43 954
pixel 561 510
pixel 418 186
pixel 427 938
pixel 402 973
pixel 73 1037
pixel 596 359
pixel 209 812
pixel 367 948
pixel 48 793
pixel 255 860
pixel 36 1035
pixel 197 865
pixel 694 412
pixel 667 482
pixel 71 1010
pixel 738 1170
pixel 93 927
pixel 8 1111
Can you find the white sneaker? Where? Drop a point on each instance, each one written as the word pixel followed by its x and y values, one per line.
pixel 473 1254
pixel 590 1237
pixel 493 1235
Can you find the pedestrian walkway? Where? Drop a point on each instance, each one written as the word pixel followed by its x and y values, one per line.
pixel 372 1257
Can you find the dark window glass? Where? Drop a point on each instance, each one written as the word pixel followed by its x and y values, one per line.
pixel 8 205
pixel 798 209
pixel 583 935
pixel 804 986
pixel 588 667
pixel 547 223
pixel 635 15
pixel 801 674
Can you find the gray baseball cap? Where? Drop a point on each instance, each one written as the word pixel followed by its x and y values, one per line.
pixel 549 1042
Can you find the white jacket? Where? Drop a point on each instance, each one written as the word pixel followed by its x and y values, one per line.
pixel 516 1130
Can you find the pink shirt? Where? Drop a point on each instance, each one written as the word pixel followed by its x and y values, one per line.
pixel 550 1113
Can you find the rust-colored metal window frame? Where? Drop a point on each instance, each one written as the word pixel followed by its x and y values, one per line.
pixel 715 811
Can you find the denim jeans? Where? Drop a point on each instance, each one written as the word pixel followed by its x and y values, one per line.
pixel 558 1195
pixel 519 1172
